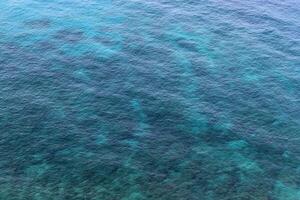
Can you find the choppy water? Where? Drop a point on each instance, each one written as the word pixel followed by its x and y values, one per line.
pixel 156 99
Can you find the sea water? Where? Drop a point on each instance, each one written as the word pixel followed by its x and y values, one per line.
pixel 149 100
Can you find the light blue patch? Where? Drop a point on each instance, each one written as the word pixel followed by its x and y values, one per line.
pixel 285 192
pixel 237 144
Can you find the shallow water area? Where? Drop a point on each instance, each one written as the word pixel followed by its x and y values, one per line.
pixel 147 100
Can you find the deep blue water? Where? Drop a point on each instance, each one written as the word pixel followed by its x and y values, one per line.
pixel 149 100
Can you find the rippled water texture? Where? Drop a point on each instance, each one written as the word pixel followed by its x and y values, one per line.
pixel 149 100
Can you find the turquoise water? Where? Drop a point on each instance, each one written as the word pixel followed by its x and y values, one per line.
pixel 150 100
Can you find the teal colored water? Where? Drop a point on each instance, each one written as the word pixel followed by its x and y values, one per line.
pixel 149 100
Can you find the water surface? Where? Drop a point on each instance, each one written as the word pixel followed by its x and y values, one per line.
pixel 149 100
